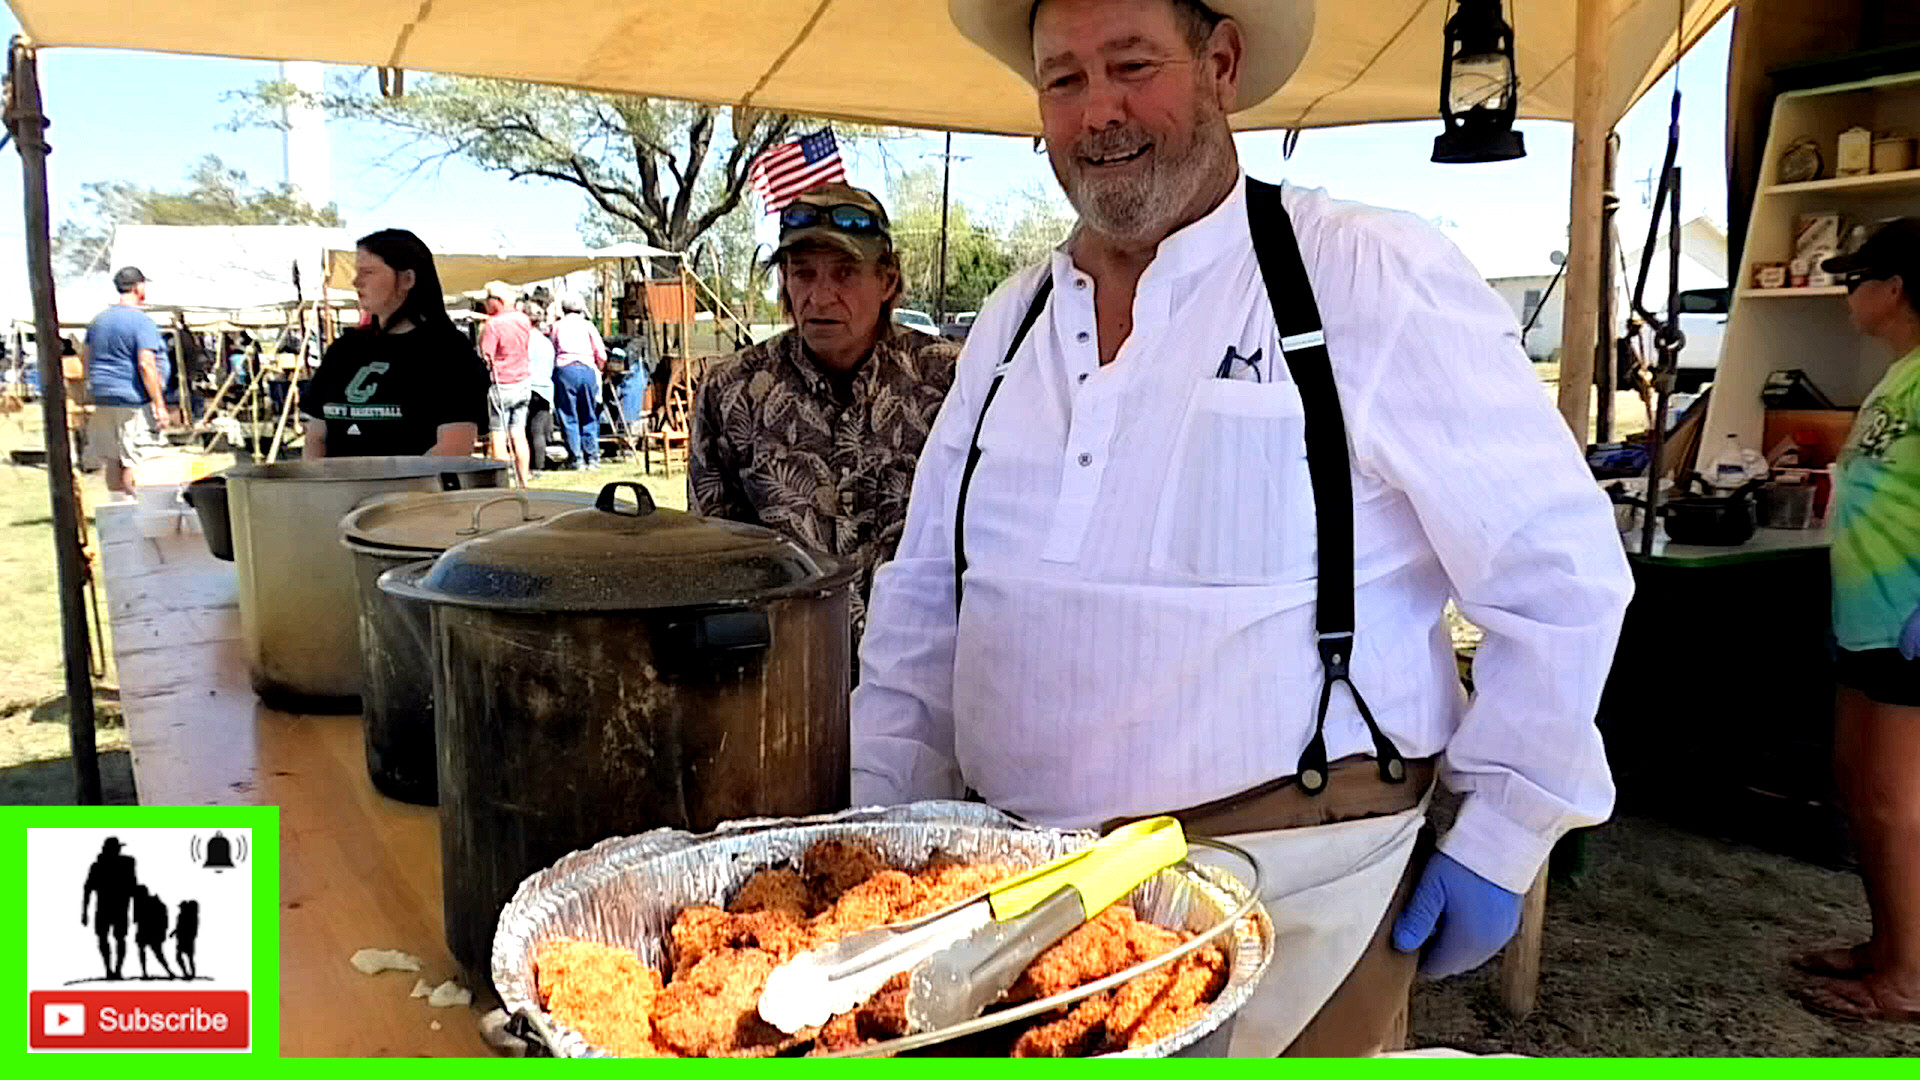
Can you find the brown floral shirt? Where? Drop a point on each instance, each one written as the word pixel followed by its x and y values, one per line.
pixel 775 444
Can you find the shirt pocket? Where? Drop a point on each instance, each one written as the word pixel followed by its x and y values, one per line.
pixel 1237 508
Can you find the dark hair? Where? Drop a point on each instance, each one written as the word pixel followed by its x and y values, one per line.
pixel 1195 19
pixel 425 305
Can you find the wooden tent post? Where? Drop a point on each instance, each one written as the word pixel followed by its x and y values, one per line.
pixel 1591 125
pixel 27 124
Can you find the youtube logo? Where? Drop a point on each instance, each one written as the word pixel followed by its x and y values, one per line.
pixel 140 1020
pixel 63 1018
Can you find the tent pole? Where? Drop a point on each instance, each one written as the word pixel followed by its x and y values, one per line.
pixel 27 123
pixel 1606 368
pixel 1591 126
pixel 946 178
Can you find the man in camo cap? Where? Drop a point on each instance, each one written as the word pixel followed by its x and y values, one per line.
pixel 815 432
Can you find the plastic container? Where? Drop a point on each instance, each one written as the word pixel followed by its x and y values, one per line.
pixel 1735 465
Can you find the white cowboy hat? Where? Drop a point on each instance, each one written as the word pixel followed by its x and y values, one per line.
pixel 503 292
pixel 1276 33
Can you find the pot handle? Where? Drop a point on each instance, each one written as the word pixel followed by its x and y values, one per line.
pixel 526 512
pixel 607 504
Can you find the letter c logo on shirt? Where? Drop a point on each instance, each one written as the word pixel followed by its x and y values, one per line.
pixel 360 389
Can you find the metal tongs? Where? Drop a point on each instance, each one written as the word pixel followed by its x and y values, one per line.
pixel 964 957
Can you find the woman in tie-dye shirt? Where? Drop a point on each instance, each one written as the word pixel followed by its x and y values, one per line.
pixel 1876 622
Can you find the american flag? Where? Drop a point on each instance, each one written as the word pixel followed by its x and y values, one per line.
pixel 785 171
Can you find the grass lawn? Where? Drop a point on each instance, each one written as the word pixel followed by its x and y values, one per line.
pixel 33 708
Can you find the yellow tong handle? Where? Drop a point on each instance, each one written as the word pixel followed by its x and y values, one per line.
pixel 1103 873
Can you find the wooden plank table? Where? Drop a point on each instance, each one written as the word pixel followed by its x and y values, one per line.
pixel 357 869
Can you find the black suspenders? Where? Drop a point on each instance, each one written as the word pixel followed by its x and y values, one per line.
pixel 1303 346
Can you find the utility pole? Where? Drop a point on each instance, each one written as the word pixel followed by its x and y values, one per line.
pixel 946 178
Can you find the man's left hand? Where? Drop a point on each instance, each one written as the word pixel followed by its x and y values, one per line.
pixel 1467 918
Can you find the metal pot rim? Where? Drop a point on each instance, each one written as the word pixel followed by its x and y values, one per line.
pixel 404 582
pixel 375 469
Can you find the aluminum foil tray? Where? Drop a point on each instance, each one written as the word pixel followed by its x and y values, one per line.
pixel 628 890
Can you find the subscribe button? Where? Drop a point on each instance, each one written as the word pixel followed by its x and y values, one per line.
pixel 138 1020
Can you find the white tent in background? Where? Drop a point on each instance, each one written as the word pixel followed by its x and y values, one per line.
pixel 225 267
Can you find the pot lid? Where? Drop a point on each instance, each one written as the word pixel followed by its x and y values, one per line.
pixel 432 522
pixel 624 556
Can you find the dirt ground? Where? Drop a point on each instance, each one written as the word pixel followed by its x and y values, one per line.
pixel 1670 944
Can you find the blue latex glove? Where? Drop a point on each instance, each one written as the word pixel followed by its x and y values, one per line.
pixel 1474 919
pixel 1910 637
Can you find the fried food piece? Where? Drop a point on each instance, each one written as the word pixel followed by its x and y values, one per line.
pixel 840 1033
pixel 713 1008
pixel 1097 948
pixel 882 1016
pixel 1162 1002
pixel 1146 940
pixel 833 866
pixel 948 881
pixel 601 991
pixel 883 898
pixel 775 889
pixel 1076 1034
pixel 701 930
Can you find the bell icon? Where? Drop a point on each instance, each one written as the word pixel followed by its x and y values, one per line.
pixel 219 853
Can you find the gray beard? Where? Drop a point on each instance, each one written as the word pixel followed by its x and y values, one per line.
pixel 1147 207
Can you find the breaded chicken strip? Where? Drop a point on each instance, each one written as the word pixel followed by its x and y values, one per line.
pixel 776 889
pixel 603 992
pixel 1097 948
pixel 700 930
pixel 713 1009
pixel 1162 1002
pixel 1076 1034
pixel 883 898
pixel 833 866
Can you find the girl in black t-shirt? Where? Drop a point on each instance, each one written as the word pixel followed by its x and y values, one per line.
pixel 409 382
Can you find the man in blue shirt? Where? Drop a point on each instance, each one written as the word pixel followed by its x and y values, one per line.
pixel 122 358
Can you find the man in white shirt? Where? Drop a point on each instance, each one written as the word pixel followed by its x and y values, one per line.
pixel 1137 625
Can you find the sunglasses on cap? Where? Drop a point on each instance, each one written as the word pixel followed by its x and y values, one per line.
pixel 846 217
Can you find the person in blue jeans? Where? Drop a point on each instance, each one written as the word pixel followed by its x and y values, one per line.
pixel 579 355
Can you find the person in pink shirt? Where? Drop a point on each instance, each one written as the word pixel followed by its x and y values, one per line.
pixel 579 356
pixel 503 344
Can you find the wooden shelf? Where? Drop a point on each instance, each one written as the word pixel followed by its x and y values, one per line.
pixel 1872 182
pixel 1762 294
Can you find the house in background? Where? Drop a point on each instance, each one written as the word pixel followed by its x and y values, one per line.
pixel 1520 268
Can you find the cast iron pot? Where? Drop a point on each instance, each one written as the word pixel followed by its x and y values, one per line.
pixel 208 497
pixel 396 636
pixel 623 668
pixel 1718 520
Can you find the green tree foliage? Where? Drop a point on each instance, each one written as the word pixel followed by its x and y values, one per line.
pixel 215 194
pixel 983 249
pixel 661 171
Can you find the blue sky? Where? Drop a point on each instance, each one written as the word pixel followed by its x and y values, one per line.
pixel 148 117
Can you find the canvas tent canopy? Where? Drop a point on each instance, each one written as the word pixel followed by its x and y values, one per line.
pixel 1371 60
pixel 468 270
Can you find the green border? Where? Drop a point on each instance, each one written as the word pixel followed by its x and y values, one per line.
pixel 264 863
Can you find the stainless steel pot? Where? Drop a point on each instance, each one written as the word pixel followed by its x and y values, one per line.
pixel 298 619
pixel 396 654
pixel 616 670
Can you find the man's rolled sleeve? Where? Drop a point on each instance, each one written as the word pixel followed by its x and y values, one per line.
pixel 1455 418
